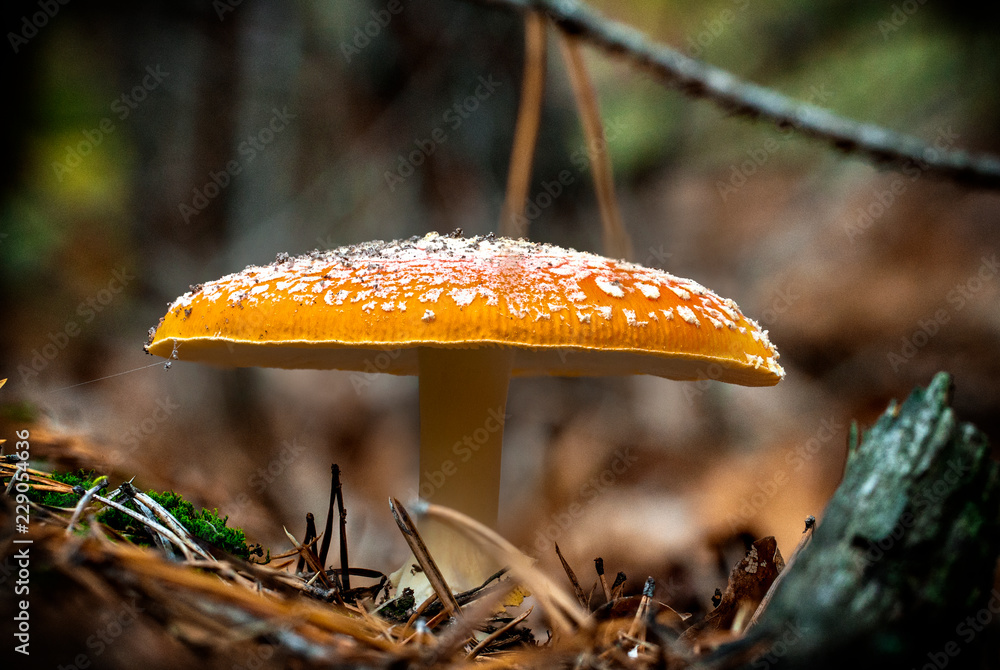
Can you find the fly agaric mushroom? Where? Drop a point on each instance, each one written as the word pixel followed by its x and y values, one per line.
pixel 464 314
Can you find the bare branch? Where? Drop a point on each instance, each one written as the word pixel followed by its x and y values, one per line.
pixel 698 79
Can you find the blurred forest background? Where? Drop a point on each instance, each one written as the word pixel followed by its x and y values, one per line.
pixel 121 117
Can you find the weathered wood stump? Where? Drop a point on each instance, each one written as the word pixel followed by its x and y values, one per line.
pixel 899 571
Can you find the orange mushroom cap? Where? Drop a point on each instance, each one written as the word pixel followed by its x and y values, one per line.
pixel 563 312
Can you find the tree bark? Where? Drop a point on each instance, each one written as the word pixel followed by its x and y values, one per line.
pixel 905 553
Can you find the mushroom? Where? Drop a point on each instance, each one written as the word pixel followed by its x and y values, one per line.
pixel 464 314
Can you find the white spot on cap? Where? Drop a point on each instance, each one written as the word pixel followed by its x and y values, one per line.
pixel 341 296
pixel 731 309
pixel 259 289
pixel 652 315
pixel 630 318
pixel 428 316
pixel 387 306
pixel 681 293
pixel 584 318
pixel 368 306
pixel 361 295
pixel 688 315
pixel 463 296
pixel 612 288
pixel 668 313
pixel 402 306
pixel 651 292
pixel 605 312
pixel 432 295
pixel 576 296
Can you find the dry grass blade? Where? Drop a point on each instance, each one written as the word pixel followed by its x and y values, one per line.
pixel 638 628
pixel 151 524
pixel 497 633
pixel 580 595
pixel 529 114
pixel 565 613
pixel 476 614
pixel 345 570
pixel 168 519
pixel 306 553
pixel 310 538
pixel 426 561
pixel 616 240
pixel 618 586
pixel 84 502
pixel 599 567
pixel 178 577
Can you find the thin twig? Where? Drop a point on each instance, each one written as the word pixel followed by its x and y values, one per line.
pixel 699 79
pixel 310 537
pixel 616 240
pixel 166 518
pixel 489 639
pixel 84 501
pixel 426 561
pixel 564 611
pixel 345 571
pixel 328 530
pixel 580 595
pixel 148 522
pixel 638 627
pixel 599 567
pixel 310 557
pixel 529 115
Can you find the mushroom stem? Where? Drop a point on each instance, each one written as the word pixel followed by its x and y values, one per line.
pixel 463 399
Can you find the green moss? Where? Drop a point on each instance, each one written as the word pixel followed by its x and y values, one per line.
pixel 83 478
pixel 204 524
